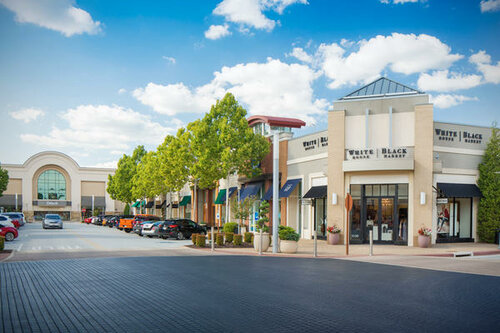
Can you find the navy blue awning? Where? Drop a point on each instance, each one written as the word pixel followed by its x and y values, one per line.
pixel 288 188
pixel 232 190
pixel 269 194
pixel 250 190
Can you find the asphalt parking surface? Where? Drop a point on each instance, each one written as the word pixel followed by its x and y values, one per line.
pixel 243 294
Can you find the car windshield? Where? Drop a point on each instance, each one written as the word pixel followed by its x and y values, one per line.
pixel 52 216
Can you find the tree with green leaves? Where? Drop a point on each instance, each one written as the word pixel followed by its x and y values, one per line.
pixel 146 183
pixel 489 184
pixel 242 209
pixel 120 184
pixel 4 180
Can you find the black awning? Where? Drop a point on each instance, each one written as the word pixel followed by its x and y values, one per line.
pixel 451 190
pixel 162 205
pixel 316 192
pixel 150 204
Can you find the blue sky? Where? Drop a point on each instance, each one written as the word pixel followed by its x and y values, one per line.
pixel 93 78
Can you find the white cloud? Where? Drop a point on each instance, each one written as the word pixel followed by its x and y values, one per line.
pixel 169 59
pixel 94 127
pixel 490 5
pixel 249 13
pixel 270 88
pixel 444 101
pixel 300 54
pixel 401 53
pixel 491 72
pixel 111 165
pixel 122 91
pixel 27 115
pixel 446 81
pixel 217 31
pixel 58 15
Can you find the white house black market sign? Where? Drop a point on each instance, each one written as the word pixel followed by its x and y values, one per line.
pixel 378 153
pixel 315 143
pixel 458 136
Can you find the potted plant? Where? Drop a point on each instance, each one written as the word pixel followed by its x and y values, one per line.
pixel 288 239
pixel 261 239
pixel 333 235
pixel 424 237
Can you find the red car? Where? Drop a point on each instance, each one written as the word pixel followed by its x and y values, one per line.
pixel 88 220
pixel 16 223
pixel 8 232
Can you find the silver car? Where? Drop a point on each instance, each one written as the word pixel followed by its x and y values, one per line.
pixel 52 221
pixel 151 229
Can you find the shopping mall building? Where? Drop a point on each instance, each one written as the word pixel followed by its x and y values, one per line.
pixel 402 169
pixel 52 182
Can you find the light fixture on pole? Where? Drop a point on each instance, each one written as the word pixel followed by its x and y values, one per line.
pixel 276 199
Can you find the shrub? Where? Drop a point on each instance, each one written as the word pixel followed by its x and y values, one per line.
pixel 193 238
pixel 238 239
pixel 288 233
pixel 230 227
pixel 219 239
pixel 200 240
pixel 229 237
pixel 248 237
pixel 2 242
pixel 126 210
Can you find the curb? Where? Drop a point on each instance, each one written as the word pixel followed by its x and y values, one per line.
pixel 2 258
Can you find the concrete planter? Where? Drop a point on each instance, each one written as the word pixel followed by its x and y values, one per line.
pixel 288 246
pixel 424 241
pixel 333 239
pixel 265 241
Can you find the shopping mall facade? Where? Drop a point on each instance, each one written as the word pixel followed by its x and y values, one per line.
pixel 382 146
pixel 52 182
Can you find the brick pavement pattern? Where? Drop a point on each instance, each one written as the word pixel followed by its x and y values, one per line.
pixel 243 294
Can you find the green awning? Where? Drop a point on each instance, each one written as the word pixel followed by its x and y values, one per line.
pixel 185 200
pixel 221 197
pixel 136 204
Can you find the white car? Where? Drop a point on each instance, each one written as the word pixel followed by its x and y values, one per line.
pixel 151 229
pixel 52 221
pixel 7 221
pixel 16 216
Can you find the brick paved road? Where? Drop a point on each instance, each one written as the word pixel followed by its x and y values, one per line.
pixel 245 294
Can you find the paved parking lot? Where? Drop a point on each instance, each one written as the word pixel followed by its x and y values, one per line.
pixel 241 294
pixel 74 238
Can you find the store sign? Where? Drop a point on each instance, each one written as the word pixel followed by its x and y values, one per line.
pixel 441 201
pixel 458 136
pixel 315 143
pixel 378 153
pixel 52 203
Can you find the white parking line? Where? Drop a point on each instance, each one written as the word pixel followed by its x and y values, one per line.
pixel 20 247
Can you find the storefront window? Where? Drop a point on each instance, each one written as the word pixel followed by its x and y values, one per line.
pixel 356 234
pixel 454 220
pixel 320 211
pixel 51 186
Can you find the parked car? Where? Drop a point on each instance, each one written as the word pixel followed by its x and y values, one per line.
pixel 123 217
pixel 105 219
pixel 88 220
pixel 138 227
pixel 110 222
pixel 151 229
pixel 16 216
pixel 181 229
pixel 9 222
pixel 128 224
pixel 8 232
pixel 52 221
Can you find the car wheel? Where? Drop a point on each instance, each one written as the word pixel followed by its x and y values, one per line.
pixel 9 236
pixel 127 230
pixel 149 236
pixel 180 236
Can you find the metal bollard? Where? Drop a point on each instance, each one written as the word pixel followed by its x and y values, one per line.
pixel 315 253
pixel 212 239
pixel 371 243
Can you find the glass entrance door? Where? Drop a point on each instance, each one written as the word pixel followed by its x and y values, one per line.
pixel 380 217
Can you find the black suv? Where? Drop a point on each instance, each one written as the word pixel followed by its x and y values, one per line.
pixel 180 229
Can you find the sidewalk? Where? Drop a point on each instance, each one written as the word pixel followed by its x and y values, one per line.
pixel 306 247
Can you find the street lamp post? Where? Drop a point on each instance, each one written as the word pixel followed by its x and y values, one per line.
pixel 276 157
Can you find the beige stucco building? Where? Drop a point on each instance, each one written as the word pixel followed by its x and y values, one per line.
pixel 53 182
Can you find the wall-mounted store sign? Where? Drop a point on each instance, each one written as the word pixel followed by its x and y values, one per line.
pixel 457 136
pixel 379 153
pixel 315 143
pixel 51 203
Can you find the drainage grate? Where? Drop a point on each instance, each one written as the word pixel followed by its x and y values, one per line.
pixel 462 254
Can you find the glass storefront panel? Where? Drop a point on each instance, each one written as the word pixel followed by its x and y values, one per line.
pixel 320 212
pixel 454 219
pixel 372 206
pixel 464 217
pixel 51 185
pixel 387 219
pixel 355 218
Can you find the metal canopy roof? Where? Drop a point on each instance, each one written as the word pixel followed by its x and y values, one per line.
pixel 451 190
pixel 382 87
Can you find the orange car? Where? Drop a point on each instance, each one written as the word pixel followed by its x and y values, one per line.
pixel 128 224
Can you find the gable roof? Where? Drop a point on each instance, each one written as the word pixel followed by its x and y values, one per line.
pixel 382 87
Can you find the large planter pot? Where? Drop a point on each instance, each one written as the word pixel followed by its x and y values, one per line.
pixel 265 241
pixel 424 241
pixel 288 246
pixel 333 239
